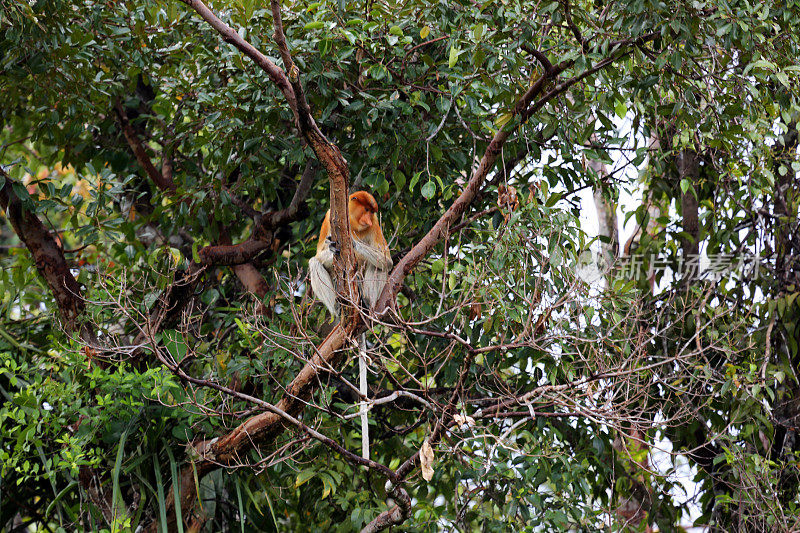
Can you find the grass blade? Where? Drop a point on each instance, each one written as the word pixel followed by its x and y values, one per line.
pixel 241 507
pixel 115 493
pixel 162 507
pixel 176 490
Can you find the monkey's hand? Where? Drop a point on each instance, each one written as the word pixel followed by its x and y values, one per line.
pixel 332 246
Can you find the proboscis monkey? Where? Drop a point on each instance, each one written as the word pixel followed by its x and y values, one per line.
pixel 374 261
pixel 372 253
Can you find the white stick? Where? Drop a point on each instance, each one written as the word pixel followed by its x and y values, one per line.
pixel 362 383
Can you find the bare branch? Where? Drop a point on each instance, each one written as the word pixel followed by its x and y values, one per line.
pixel 278 218
pixel 232 254
pixel 394 515
pixel 162 180
pixel 574 28
pixel 540 57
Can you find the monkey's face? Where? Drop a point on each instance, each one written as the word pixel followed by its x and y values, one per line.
pixel 361 219
pixel 362 208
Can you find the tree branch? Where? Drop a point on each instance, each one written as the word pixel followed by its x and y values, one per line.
pixel 162 180
pixel 261 428
pixel 277 218
pixel 227 450
pixel 524 108
pixel 46 252
pixel 230 36
pixel 440 229
pixel 576 32
pixel 244 252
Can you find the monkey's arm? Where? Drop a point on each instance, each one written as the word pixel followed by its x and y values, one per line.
pixel 321 282
pixel 377 263
pixel 376 256
pixel 372 286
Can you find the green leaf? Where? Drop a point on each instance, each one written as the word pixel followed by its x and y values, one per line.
pixel 304 476
pixel 620 109
pixel 425 31
pixel 762 64
pixel 783 78
pixel 454 53
pixel 175 344
pixel 315 25
pixel 478 57
pixel 503 119
pixel 239 500
pixel 428 190
pixel 195 255
pixel 151 298
pixel 60 495
pixel 414 180
pixel 162 506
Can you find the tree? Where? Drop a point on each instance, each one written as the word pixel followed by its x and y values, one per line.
pixel 166 166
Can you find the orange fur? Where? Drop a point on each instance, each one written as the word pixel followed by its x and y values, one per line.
pixel 324 231
pixel 364 226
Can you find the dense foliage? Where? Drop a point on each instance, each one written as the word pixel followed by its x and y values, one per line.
pixel 163 364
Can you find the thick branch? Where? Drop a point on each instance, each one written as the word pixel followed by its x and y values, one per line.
pixel 47 255
pixel 285 416
pixel 252 279
pixel 327 153
pixel 606 210
pixel 394 515
pixel 248 274
pixel 689 169
pixel 440 229
pixel 574 28
pixel 540 57
pixel 290 214
pixel 261 428
pixel 228 449
pixel 336 167
pixel 232 254
pixel 233 447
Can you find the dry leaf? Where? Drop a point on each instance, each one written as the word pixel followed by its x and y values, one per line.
pixel 507 200
pixel 463 419
pixel 426 460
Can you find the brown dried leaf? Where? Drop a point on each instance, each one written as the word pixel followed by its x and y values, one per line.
pixel 426 460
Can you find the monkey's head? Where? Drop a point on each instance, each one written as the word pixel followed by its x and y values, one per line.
pixel 362 209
